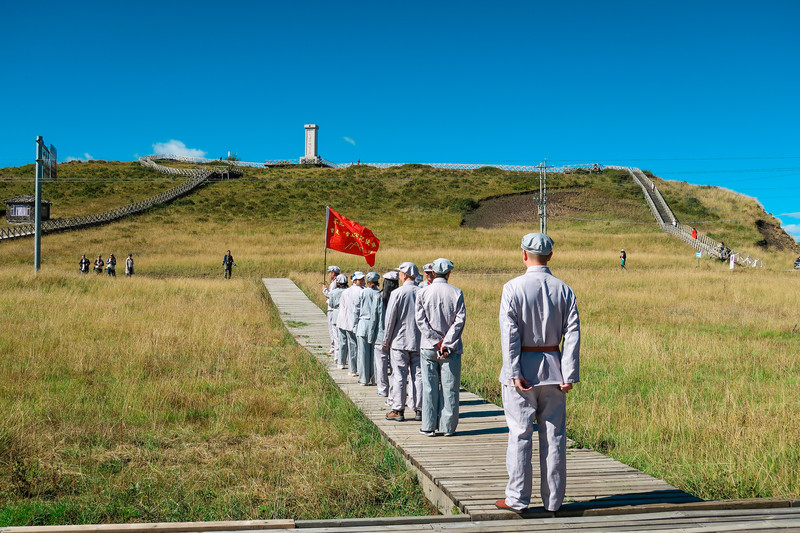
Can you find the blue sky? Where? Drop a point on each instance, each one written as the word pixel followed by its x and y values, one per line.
pixel 701 91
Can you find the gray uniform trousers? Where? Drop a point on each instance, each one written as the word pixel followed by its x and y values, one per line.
pixel 381 369
pixel 366 360
pixel 441 383
pixel 342 355
pixel 406 371
pixel 352 351
pixel 334 332
pixel 546 405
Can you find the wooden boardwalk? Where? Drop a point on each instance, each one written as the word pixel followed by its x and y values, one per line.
pixel 466 473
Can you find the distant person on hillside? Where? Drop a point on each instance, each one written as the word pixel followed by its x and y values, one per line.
pixel 84 264
pixel 797 263
pixel 368 315
pixel 537 312
pixel 401 337
pixel 99 264
pixel 111 266
pixel 333 271
pixel 622 257
pixel 228 264
pixel 382 363
pixel 129 265
pixel 440 314
pixel 694 233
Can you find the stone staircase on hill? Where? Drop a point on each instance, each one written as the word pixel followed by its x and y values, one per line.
pixel 197 176
pixel 669 223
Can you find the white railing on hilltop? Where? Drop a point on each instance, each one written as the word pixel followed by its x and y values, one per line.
pixel 655 201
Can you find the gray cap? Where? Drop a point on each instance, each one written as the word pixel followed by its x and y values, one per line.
pixel 334 268
pixel 442 266
pixel 358 274
pixel 537 244
pixel 392 274
pixel 428 267
pixel 373 277
pixel 341 279
pixel 409 269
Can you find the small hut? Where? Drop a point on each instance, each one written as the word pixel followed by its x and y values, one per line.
pixel 22 209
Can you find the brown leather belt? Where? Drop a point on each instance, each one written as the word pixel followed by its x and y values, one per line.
pixel 540 349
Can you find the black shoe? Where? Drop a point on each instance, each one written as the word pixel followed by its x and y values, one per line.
pixel 418 416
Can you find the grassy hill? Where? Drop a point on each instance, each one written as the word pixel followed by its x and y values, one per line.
pixel 176 395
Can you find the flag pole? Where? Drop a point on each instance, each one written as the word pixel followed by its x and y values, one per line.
pixel 325 244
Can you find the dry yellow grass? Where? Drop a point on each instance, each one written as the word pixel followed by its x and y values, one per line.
pixel 688 369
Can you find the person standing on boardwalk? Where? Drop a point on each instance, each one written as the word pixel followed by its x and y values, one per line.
pixel 368 314
pixel 346 322
pixel 537 311
pixel 228 264
pixel 84 264
pixel 390 283
pixel 111 266
pixel 129 265
pixel 333 271
pixel 401 336
pixel 440 314
pixel 334 297
pixel 622 257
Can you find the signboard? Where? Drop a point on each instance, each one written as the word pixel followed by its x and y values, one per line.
pixel 698 255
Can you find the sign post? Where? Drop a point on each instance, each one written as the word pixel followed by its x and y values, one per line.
pixel 46 164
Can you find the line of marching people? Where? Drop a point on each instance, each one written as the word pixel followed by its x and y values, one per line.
pixel 404 338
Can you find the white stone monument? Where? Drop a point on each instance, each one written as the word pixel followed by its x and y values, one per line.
pixel 311 157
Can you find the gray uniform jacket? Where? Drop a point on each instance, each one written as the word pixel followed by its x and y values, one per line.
pixel 346 306
pixel 368 314
pixel 538 309
pixel 334 296
pixel 401 332
pixel 440 316
pixel 327 292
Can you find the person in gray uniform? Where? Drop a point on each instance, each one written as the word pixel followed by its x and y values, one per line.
pixel 333 271
pixel 368 314
pixel 334 297
pixel 345 321
pixel 537 311
pixel 401 336
pixel 429 275
pixel 440 314
pixel 390 283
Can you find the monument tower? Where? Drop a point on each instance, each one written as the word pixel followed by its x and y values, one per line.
pixel 312 156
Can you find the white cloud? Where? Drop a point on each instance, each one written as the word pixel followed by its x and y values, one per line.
pixel 86 157
pixel 790 215
pixel 176 148
pixel 349 140
pixel 793 230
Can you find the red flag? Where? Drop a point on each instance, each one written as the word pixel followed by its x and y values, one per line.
pixel 350 237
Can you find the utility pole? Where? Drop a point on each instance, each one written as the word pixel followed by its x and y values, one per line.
pixel 543 197
pixel 37 205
